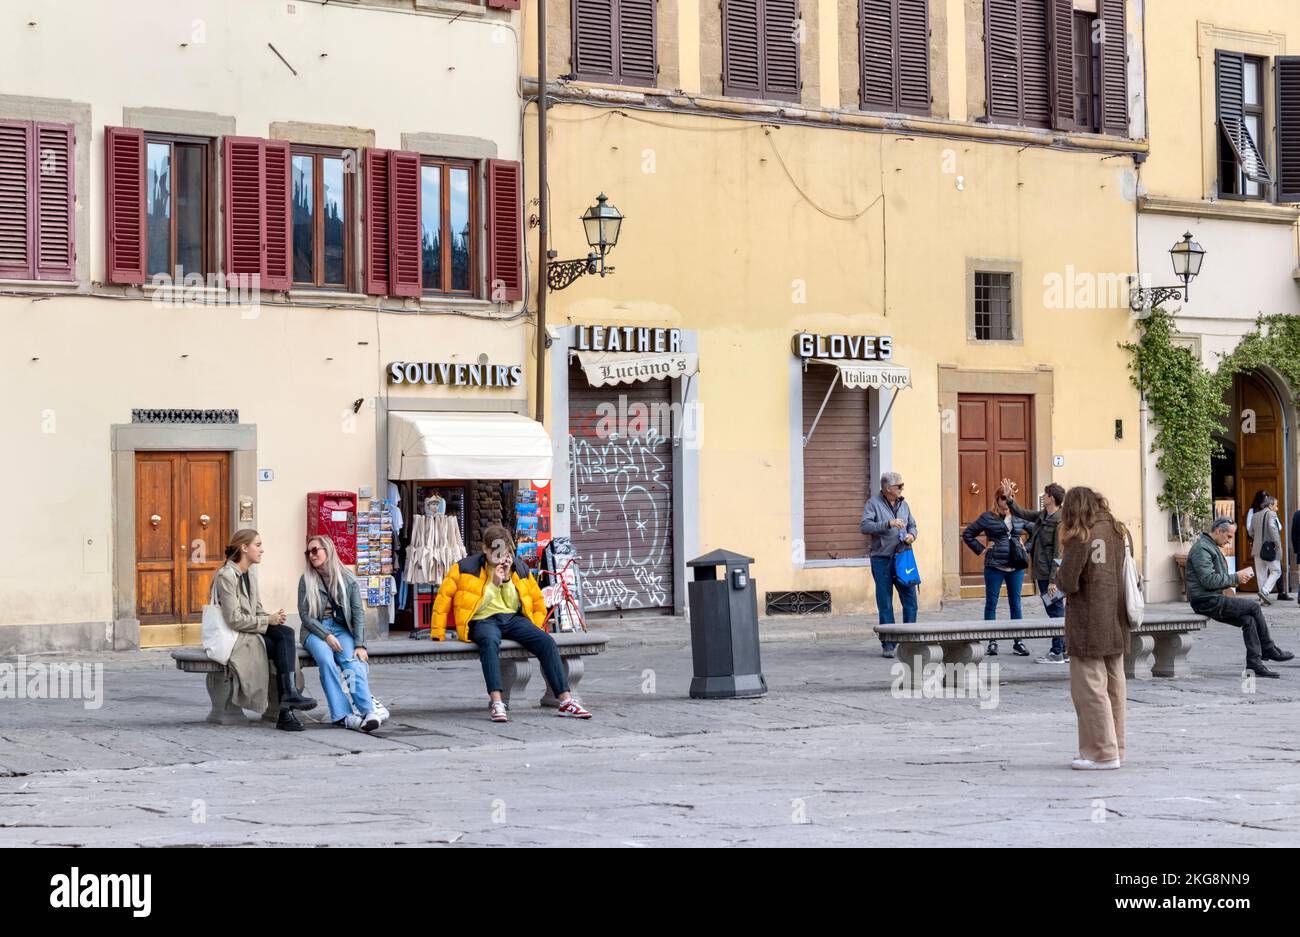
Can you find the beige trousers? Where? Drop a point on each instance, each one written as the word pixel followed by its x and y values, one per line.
pixel 1097 688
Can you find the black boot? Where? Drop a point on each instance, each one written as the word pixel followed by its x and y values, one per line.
pixel 1259 670
pixel 288 721
pixel 290 698
pixel 1277 654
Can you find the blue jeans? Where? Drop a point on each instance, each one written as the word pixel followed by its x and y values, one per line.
pixel 1055 609
pixel 328 663
pixel 993 580
pixel 488 633
pixel 882 571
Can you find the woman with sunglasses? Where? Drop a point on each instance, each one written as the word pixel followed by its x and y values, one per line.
pixel 1004 561
pixel 334 631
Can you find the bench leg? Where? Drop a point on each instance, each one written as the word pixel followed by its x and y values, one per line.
pixel 1171 655
pixel 968 655
pixel 916 659
pixel 1138 660
pixel 224 712
pixel 515 675
pixel 572 674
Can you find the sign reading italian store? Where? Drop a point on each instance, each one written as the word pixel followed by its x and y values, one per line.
pixel 861 359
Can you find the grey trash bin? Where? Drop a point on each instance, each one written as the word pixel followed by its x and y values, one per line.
pixel 724 628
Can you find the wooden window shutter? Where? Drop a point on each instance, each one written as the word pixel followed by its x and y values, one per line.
pixel 1230 83
pixel 244 224
pixel 277 272
pixel 1002 51
pixel 503 4
pixel 505 240
pixel 741 48
pixel 406 276
pixel 124 208
pixel 781 30
pixel 1114 67
pixel 55 201
pixel 1061 32
pixel 594 54
pixel 16 216
pixel 1035 64
pixel 879 66
pixel 374 167
pixel 913 32
pixel 1287 80
pixel 638 63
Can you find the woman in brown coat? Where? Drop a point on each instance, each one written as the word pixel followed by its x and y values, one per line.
pixel 1096 625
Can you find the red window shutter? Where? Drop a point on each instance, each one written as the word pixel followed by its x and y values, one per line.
pixel 1114 67
pixel 278 221
pixel 876 47
pixel 503 4
pixel 593 39
pixel 781 49
pixel 245 215
pixel 913 67
pixel 124 191
pixel 374 167
pixel 505 237
pixel 16 215
pixel 741 48
pixel 55 208
pixel 1002 51
pixel 1061 33
pixel 1035 64
pixel 637 61
pixel 1288 127
pixel 404 266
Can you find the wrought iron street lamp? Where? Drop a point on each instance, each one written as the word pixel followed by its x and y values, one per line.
pixel 602 223
pixel 1187 256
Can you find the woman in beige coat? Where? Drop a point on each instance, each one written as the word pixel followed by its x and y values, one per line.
pixel 260 636
pixel 1096 625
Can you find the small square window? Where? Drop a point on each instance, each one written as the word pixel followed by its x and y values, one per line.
pixel 993 307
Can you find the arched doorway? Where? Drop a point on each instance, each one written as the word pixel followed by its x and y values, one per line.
pixel 1260 462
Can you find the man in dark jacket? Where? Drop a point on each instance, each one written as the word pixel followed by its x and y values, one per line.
pixel 1208 576
pixel 1044 550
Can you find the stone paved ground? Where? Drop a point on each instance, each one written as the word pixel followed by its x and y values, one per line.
pixel 828 757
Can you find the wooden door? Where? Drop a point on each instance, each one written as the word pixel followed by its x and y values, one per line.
pixel 182 521
pixel 994 441
pixel 1260 463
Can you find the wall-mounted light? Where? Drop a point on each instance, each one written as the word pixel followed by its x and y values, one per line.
pixel 1187 257
pixel 601 223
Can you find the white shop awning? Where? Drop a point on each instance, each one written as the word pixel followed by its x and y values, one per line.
pixel 457 445
pixel 857 375
pixel 630 367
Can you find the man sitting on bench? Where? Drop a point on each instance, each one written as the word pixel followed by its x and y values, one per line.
pixel 493 596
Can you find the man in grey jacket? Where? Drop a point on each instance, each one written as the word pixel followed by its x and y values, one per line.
pixel 887 521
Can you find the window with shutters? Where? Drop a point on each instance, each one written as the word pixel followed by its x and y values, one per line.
pixel 894 49
pixel 322 217
pixel 37 200
pixel 761 40
pixel 614 41
pixel 448 224
pixel 1087 72
pixel 177 180
pixel 1243 163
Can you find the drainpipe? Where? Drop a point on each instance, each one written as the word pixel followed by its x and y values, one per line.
pixel 542 226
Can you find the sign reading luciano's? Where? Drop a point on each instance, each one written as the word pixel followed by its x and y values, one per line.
pixel 457 375
pixel 856 347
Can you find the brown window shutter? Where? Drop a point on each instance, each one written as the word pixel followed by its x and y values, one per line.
pixel 55 208
pixel 1288 127
pixel 1114 67
pixel 278 222
pixel 913 55
pixel 1035 64
pixel 780 20
pixel 505 242
pixel 503 4
pixel 124 207
pixel 593 39
pixel 637 62
pixel 741 48
pixel 374 167
pixel 1230 85
pixel 877 59
pixel 1061 32
pixel 405 272
pixel 17 218
pixel 244 225
pixel 1002 52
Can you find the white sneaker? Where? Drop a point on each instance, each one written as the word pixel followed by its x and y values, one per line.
pixel 370 722
pixel 1083 764
pixel 350 721
pixel 379 709
pixel 497 711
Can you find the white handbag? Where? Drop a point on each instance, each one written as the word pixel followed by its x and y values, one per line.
pixel 218 637
pixel 1134 604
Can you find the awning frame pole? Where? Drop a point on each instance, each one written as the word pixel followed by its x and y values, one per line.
pixel 885 417
pixel 825 400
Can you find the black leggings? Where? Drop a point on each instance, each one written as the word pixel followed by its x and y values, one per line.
pixel 280 649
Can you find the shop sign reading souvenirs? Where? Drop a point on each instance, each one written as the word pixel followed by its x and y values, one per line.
pixel 456 375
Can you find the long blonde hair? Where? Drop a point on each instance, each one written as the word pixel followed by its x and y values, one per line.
pixel 334 582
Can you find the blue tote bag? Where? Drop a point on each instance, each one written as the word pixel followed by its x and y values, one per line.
pixel 905 569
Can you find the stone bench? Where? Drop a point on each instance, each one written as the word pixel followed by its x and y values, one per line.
pixel 1158 648
pixel 516 667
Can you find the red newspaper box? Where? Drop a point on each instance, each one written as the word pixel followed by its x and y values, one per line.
pixel 334 514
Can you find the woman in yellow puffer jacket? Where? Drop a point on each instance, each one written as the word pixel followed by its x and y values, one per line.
pixel 493 596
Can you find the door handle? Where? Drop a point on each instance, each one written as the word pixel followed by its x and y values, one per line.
pixel 155 520
pixel 204 519
pixel 974 488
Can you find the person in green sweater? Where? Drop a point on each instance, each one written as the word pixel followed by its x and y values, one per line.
pixel 1208 577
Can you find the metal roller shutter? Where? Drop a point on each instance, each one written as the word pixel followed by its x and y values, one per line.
pixel 836 466
pixel 622 494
